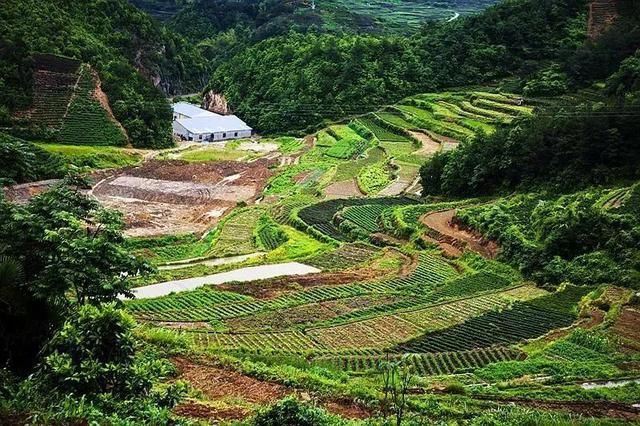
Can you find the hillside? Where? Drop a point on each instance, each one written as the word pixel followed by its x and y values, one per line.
pixel 69 104
pixel 201 19
pixel 135 67
pixel 349 74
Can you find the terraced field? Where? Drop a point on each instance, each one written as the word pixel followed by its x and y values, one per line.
pixel 372 304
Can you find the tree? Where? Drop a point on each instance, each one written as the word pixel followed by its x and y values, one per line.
pixel 396 379
pixel 70 249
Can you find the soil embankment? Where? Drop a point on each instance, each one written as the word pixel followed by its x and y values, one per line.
pixel 442 223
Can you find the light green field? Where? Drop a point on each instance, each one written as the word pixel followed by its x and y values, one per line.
pixel 94 157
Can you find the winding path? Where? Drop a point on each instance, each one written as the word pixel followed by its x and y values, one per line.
pixel 253 273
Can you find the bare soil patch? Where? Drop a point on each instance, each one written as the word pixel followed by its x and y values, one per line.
pixel 347 409
pixel 344 189
pixel 596 317
pixel 220 384
pixel 429 146
pixel 22 193
pixel 195 410
pixel 627 326
pixel 163 197
pixel 216 383
pixel 443 223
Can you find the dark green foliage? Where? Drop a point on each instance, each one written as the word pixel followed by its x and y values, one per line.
pixel 70 251
pixel 94 371
pixel 625 83
pixel 295 81
pixel 548 82
pixel 523 321
pixel 562 149
pixel 291 412
pixel 320 216
pixel 94 352
pixel 553 239
pixel 21 161
pixel 269 233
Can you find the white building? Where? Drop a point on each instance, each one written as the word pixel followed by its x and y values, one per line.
pixel 196 124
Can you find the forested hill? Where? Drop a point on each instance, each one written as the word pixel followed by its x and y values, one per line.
pixel 297 80
pixel 136 58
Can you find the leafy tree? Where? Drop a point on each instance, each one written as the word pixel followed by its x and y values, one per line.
pixel 95 352
pixel 21 161
pixel 550 81
pixel 70 250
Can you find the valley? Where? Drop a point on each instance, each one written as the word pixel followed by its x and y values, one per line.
pixel 431 214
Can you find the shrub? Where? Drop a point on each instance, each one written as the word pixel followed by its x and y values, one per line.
pixel 292 412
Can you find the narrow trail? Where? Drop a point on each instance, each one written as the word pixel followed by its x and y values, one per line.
pixel 442 223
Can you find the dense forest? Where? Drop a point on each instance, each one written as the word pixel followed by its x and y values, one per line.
pixel 299 79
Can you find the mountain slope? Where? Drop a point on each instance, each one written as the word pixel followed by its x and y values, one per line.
pixel 134 56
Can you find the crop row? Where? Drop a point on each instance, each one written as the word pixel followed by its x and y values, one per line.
pixel 466 286
pixel 202 297
pixel 429 270
pixel 320 215
pixel 366 217
pixel 523 321
pixel 87 122
pixel 52 92
pixel 427 364
pixel 381 133
pixel 236 236
pixel 344 257
pixel 289 342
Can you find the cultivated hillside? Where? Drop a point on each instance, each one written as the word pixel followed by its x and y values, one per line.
pixel 69 104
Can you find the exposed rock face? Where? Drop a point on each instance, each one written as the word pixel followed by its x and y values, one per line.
pixel 602 14
pixel 216 102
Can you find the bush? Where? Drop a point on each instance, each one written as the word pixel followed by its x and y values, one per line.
pixel 292 412
pixel 548 82
pixel 94 352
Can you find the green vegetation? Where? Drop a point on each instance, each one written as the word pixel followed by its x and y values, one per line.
pixel 87 122
pixel 496 310
pixel 328 83
pixel 22 161
pixel 348 145
pixel 85 31
pixel 268 234
pixel 93 157
pixel 214 153
pixel 373 178
pixel 567 238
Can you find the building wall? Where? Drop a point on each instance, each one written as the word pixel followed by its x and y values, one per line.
pixel 183 133
pixel 178 116
pixel 179 130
